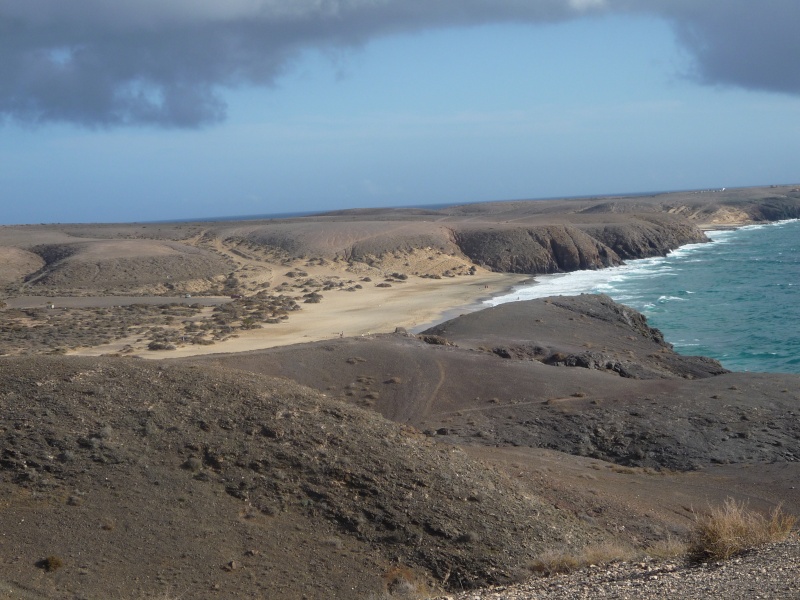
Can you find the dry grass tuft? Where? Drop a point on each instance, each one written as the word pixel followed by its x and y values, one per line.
pixel 731 529
pixel 669 547
pixel 401 583
pixel 551 563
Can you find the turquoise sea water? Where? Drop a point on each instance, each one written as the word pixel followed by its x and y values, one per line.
pixel 736 299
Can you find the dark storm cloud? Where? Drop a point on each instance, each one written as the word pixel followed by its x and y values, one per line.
pixel 165 62
pixel 741 43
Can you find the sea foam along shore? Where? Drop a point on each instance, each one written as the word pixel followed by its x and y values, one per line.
pixel 415 305
pixel 702 304
pixel 602 281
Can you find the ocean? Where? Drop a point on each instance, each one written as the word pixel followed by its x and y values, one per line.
pixel 736 299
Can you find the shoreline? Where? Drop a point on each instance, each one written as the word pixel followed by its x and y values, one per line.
pixel 475 305
pixel 642 287
pixel 530 280
pixel 414 304
pixel 706 228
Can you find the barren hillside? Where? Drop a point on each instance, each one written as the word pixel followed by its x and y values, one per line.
pixel 145 479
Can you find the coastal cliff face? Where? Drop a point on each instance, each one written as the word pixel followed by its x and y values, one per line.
pixel 738 210
pixel 554 248
pixel 528 248
pixel 651 235
pixel 777 208
pixel 549 249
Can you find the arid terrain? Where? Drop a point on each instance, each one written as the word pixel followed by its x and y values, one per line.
pixel 327 415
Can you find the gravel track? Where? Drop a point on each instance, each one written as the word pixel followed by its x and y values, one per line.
pixel 770 573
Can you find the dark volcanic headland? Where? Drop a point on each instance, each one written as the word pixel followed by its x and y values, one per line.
pixel 370 466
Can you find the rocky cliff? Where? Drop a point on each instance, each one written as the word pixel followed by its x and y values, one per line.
pixel 548 249
pixel 646 236
pixel 562 248
pixel 777 208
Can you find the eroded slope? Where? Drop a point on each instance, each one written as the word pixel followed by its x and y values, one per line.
pixel 145 479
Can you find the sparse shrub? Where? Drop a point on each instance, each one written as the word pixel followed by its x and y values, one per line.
pixel 50 564
pixel 669 547
pixel 192 464
pixel 556 358
pixel 551 563
pixel 155 345
pixel 622 470
pixel 435 340
pixel 467 538
pixel 333 542
pixel 606 552
pixel 250 323
pixel 401 583
pixel 108 525
pixel 731 529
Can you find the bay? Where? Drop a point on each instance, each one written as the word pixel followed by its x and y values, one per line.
pixel 736 298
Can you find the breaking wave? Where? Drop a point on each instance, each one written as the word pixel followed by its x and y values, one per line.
pixel 735 298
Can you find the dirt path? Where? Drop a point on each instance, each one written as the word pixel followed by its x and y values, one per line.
pixel 108 301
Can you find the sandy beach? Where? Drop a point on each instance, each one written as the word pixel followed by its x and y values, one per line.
pixel 413 304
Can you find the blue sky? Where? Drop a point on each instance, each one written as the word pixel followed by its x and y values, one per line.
pixel 388 110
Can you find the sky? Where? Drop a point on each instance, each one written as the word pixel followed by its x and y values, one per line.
pixel 152 110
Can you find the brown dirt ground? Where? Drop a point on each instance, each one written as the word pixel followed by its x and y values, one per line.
pixel 372 466
pixel 146 479
pixel 635 455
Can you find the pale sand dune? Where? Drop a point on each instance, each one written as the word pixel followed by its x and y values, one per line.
pixel 412 304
